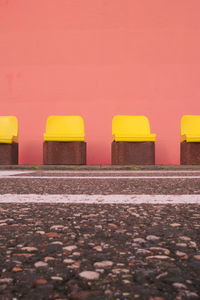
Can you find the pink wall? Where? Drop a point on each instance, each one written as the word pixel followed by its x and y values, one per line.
pixel 99 58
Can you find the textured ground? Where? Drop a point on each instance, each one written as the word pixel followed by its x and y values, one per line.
pixel 99 251
pixel 108 182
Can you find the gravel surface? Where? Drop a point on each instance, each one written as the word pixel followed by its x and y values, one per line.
pixel 99 186
pixel 99 252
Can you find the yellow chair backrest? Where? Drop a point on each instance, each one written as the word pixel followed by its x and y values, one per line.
pixel 8 129
pixel 190 125
pixel 65 128
pixel 131 128
pixel 130 125
pixel 190 128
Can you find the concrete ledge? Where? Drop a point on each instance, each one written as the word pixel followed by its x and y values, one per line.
pixel 101 167
pixel 129 153
pixel 9 154
pixel 64 153
pixel 190 153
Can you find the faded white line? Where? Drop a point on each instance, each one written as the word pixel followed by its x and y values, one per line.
pixel 10 173
pixel 100 177
pixel 118 171
pixel 101 199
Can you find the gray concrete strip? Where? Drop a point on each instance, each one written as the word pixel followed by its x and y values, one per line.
pixel 100 167
pixel 102 177
pixel 101 199
pixel 103 174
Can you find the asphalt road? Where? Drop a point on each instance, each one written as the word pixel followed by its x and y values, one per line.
pixel 84 182
pixel 99 251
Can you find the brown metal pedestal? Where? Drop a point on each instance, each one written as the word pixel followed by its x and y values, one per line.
pixel 190 153
pixel 133 153
pixel 64 153
pixel 9 154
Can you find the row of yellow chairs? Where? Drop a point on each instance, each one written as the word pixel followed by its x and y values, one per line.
pixel 124 128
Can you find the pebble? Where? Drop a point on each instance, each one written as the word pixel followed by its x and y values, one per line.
pixel 108 292
pixel 74 266
pixel 17 269
pixel 48 258
pixel 56 227
pixel 103 264
pixel 40 281
pixel 152 238
pixel 181 254
pixel 118 271
pixel 190 294
pixel 143 251
pixel 112 225
pixel 52 234
pixel 162 275
pixel 29 249
pixel 57 243
pixel 98 248
pixel 89 275
pixel 139 240
pixel 162 257
pixel 126 281
pixel 175 225
pixel 56 278
pixel 40 264
pixel 6 280
pixel 185 238
pixel 68 261
pixel 192 244
pixel 98 226
pixel 160 249
pixel 179 285
pixel 70 248
pixel 40 232
pixel 23 254
pixel 76 253
pixel 197 257
pixel 181 245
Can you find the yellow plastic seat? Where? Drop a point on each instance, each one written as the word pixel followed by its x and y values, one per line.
pixel 8 129
pixel 190 128
pixel 132 129
pixel 64 129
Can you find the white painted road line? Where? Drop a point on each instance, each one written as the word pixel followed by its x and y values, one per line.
pixel 99 177
pixel 119 171
pixel 10 173
pixel 101 199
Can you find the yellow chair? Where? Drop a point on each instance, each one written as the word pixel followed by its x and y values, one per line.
pixel 131 129
pixel 8 140
pixel 190 140
pixel 64 129
pixel 64 141
pixel 8 129
pixel 133 143
pixel 190 128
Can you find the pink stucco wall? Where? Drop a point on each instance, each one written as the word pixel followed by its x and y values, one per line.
pixel 99 58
